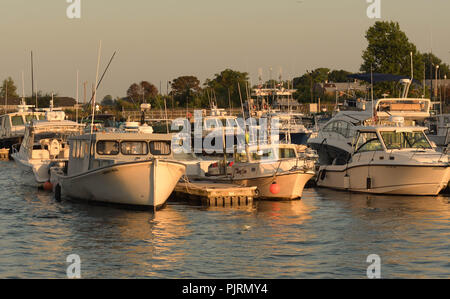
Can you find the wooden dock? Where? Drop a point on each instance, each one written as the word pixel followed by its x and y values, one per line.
pixel 4 154
pixel 215 194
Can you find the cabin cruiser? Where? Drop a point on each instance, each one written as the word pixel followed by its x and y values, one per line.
pixel 12 125
pixel 45 145
pixel 335 139
pixel 124 168
pixel 389 160
pixel 276 170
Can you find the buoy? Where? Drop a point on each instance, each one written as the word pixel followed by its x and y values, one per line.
pixel 274 188
pixel 48 186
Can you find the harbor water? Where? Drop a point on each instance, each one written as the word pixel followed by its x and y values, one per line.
pixel 327 234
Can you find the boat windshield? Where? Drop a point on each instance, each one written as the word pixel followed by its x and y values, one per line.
pixel 368 142
pixel 405 140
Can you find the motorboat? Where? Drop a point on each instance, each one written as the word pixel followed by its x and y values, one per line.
pixel 125 168
pixel 275 169
pixel 12 125
pixel 335 139
pixel 389 160
pixel 45 145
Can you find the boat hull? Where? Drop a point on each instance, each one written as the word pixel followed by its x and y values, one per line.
pixel 386 179
pixel 145 183
pixel 291 185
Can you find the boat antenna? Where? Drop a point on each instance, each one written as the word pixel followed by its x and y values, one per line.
pixel 101 78
pixel 95 90
pixel 32 78
pixel 371 87
pixel 76 107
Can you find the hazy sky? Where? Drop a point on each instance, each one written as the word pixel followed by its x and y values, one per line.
pixel 159 40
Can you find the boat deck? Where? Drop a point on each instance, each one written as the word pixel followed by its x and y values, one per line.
pixel 215 194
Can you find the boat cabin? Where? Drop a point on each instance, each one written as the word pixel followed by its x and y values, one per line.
pixel 94 151
pixel 47 139
pixel 388 139
pixel 266 153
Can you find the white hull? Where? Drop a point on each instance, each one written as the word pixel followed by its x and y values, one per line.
pixel 145 183
pixel 291 185
pixel 386 179
pixel 36 171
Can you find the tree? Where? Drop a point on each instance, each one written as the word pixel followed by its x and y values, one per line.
pixel 225 87
pixel 107 101
pixel 142 92
pixel 185 89
pixel 338 76
pixel 8 84
pixel 431 61
pixel 388 52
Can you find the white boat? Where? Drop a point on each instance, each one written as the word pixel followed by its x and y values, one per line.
pixel 119 168
pixel 12 125
pixel 45 145
pixel 389 160
pixel 276 170
pixel 335 139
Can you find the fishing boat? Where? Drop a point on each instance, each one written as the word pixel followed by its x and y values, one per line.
pixel 276 170
pixel 389 160
pixel 125 168
pixel 45 145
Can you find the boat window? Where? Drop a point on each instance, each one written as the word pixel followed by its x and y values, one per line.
pixel 364 137
pixel 109 148
pixel 31 117
pixel 329 127
pixel 287 153
pixel 17 120
pixel 402 140
pixel 160 148
pixel 371 146
pixel 266 154
pixel 73 147
pixel 134 148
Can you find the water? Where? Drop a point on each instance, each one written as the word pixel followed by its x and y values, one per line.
pixel 328 234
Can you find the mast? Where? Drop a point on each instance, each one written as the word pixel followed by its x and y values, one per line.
pixel 95 89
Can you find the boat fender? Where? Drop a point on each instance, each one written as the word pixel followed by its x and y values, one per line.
pixel 323 174
pixel 58 193
pixel 369 183
pixel 48 186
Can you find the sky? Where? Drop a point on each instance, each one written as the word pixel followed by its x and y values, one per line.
pixel 159 40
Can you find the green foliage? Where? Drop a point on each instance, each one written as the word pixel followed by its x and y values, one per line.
pixel 224 87
pixel 185 90
pixel 107 101
pixel 8 85
pixel 431 61
pixel 388 52
pixel 338 76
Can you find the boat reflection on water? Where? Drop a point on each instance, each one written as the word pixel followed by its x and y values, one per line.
pixel 109 238
pixel 409 233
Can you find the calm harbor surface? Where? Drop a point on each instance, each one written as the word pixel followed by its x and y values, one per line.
pixel 328 234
